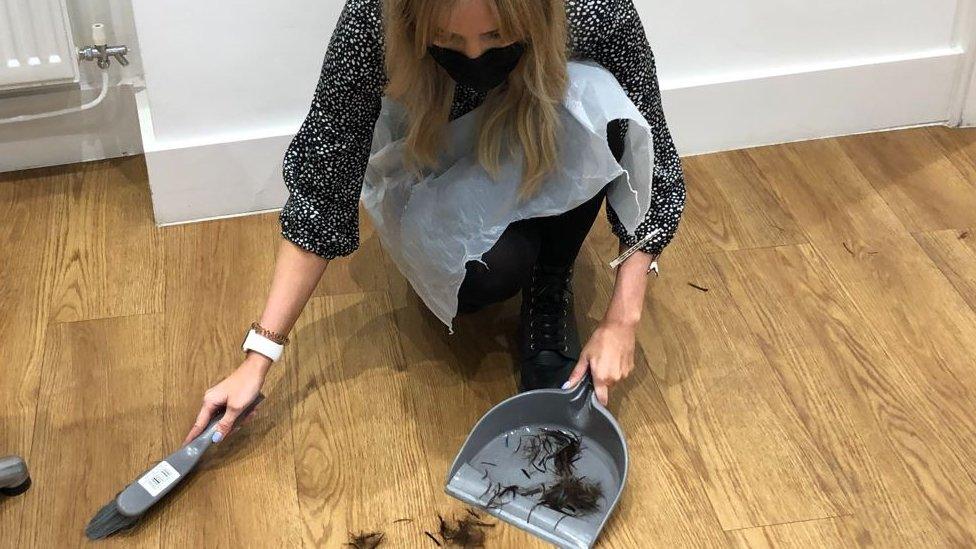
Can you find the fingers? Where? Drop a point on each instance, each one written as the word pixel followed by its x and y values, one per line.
pixel 603 381
pixel 244 420
pixel 602 393
pixel 226 423
pixel 203 418
pixel 578 372
pixel 247 419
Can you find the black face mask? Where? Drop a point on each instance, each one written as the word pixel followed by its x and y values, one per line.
pixel 483 72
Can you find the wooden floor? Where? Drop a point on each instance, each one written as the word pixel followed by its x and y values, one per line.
pixel 819 394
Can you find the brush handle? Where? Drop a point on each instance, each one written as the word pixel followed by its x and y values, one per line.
pixel 155 483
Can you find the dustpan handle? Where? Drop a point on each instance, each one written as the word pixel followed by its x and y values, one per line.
pixel 582 394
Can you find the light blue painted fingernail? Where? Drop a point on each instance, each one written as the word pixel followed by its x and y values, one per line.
pixel 217 437
pixel 566 385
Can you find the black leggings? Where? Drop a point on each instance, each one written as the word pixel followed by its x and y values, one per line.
pixel 551 240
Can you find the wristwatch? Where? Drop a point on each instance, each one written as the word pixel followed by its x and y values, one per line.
pixel 255 340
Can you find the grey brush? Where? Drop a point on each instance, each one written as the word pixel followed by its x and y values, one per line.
pixel 124 512
pixel 14 478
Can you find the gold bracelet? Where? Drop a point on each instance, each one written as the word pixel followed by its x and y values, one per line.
pixel 273 336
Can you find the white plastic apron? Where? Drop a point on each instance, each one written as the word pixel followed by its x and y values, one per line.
pixel 431 227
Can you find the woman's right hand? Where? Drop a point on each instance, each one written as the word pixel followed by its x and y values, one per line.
pixel 235 392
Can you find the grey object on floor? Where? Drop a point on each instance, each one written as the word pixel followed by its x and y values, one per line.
pixel 490 457
pixel 150 487
pixel 14 477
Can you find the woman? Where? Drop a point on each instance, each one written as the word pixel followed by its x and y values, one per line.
pixel 419 66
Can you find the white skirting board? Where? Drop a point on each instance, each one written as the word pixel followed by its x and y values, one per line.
pixel 234 175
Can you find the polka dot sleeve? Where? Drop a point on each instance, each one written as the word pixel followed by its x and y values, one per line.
pixel 613 35
pixel 325 162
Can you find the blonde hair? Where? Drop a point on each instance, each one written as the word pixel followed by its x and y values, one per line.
pixel 525 106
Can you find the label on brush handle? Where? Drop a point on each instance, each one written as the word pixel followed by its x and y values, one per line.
pixel 158 478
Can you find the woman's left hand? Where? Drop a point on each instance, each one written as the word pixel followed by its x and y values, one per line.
pixel 609 356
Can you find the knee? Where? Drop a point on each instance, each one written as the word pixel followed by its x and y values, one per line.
pixel 483 286
pixel 473 294
pixel 505 270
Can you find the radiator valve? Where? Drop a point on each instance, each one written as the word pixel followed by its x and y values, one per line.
pixel 101 52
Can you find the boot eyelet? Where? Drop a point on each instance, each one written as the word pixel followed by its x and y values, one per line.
pixel 566 348
pixel 531 346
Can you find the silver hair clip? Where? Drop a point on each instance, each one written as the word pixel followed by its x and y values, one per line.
pixel 630 251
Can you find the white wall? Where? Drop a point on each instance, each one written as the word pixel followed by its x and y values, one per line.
pixel 734 74
pixel 711 38
pixel 219 69
pixel 263 60
pixel 108 131
pixel 228 82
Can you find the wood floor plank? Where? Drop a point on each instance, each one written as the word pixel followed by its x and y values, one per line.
pixel 729 205
pixel 454 380
pixel 915 310
pixel 858 233
pixel 108 258
pixel 925 325
pixel 819 185
pixel 98 427
pixel 665 503
pixel 839 378
pixel 27 204
pixel 217 279
pixel 351 408
pixel 958 145
pixel 912 173
pixel 954 252
pixel 817 391
pixel 758 463
pixel 829 533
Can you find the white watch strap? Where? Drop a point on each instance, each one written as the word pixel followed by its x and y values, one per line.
pixel 257 342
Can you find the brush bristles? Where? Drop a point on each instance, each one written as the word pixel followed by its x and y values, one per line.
pixel 109 521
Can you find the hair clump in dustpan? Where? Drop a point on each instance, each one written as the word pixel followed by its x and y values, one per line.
pixel 571 494
pixel 553 451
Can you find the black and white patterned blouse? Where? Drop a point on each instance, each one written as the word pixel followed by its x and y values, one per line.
pixel 325 164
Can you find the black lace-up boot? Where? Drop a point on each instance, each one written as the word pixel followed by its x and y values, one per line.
pixel 548 341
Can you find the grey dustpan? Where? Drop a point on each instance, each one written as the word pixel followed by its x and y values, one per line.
pixel 490 457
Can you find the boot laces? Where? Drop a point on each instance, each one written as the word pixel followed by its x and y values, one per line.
pixel 549 298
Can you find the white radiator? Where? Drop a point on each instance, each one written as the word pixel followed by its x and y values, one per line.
pixel 36 47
